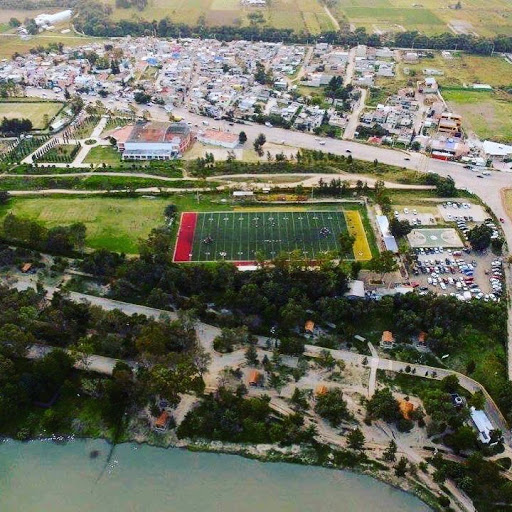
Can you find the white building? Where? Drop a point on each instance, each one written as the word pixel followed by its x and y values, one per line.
pixel 482 424
pixel 45 20
pixel 496 150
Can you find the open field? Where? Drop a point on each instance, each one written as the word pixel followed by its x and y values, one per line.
pixel 114 224
pixel 430 16
pixel 299 15
pixel 11 43
pixel 33 110
pixel 242 235
pixel 464 69
pixel 488 114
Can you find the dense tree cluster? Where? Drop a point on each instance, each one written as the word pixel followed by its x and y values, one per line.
pixel 229 416
pixel 15 126
pixel 57 240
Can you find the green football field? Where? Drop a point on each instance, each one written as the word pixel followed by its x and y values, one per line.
pixel 239 236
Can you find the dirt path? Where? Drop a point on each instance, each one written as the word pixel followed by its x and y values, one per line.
pixel 333 19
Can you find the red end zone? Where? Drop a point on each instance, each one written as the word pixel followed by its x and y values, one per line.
pixel 185 239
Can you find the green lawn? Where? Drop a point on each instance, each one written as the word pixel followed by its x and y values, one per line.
pixel 112 223
pixel 103 154
pixel 33 110
pixel 239 236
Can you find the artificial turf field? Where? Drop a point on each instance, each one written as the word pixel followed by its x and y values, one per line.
pixel 239 236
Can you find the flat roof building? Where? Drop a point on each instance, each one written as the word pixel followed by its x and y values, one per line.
pixel 153 140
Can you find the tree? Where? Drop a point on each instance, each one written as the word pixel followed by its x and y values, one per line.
pixel 251 355
pixel 326 360
pixel 383 406
pixel 399 228
pixel 480 237
pixel 355 439
pixel 332 407
pixel 450 383
pixel 401 467
pixel 346 241
pixel 141 97
pixel 242 138
pixel 299 399
pixel 170 211
pixel 389 454
pixel 383 263
pixel 4 197
pixel 259 142
pixel 462 439
pixel 14 22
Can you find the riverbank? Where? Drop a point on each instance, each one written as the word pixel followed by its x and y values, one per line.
pixel 153 475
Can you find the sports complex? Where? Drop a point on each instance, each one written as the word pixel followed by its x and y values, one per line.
pixel 241 236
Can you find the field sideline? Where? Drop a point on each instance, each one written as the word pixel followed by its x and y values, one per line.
pixel 244 235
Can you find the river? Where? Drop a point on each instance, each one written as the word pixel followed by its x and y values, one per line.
pixel 43 476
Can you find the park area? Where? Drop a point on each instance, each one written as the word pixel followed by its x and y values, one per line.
pixel 244 236
pixel 39 112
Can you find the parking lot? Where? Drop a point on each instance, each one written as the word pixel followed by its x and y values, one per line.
pixel 461 273
pixel 452 211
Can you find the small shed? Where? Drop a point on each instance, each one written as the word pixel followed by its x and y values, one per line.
pixel 387 340
pixel 255 378
pixel 162 422
pixel 320 390
pixel 406 409
pixel 309 327
pixel 26 267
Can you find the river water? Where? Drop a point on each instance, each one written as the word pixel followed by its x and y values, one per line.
pixel 45 477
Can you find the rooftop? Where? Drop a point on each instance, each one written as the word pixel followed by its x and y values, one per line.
pixel 157 131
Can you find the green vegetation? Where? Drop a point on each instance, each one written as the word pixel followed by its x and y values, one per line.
pixel 96 182
pixel 115 224
pixel 231 417
pixel 61 153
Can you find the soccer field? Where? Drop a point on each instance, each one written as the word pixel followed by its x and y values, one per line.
pixel 239 236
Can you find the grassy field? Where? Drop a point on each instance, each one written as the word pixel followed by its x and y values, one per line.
pixel 239 236
pixel 112 223
pixel 33 110
pixel 488 114
pixel 431 16
pixel 464 69
pixel 11 43
pixel 103 154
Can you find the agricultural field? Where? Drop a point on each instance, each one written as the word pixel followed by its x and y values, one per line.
pixel 430 16
pixel 242 235
pixel 112 223
pixel 39 112
pixel 299 15
pixel 487 114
